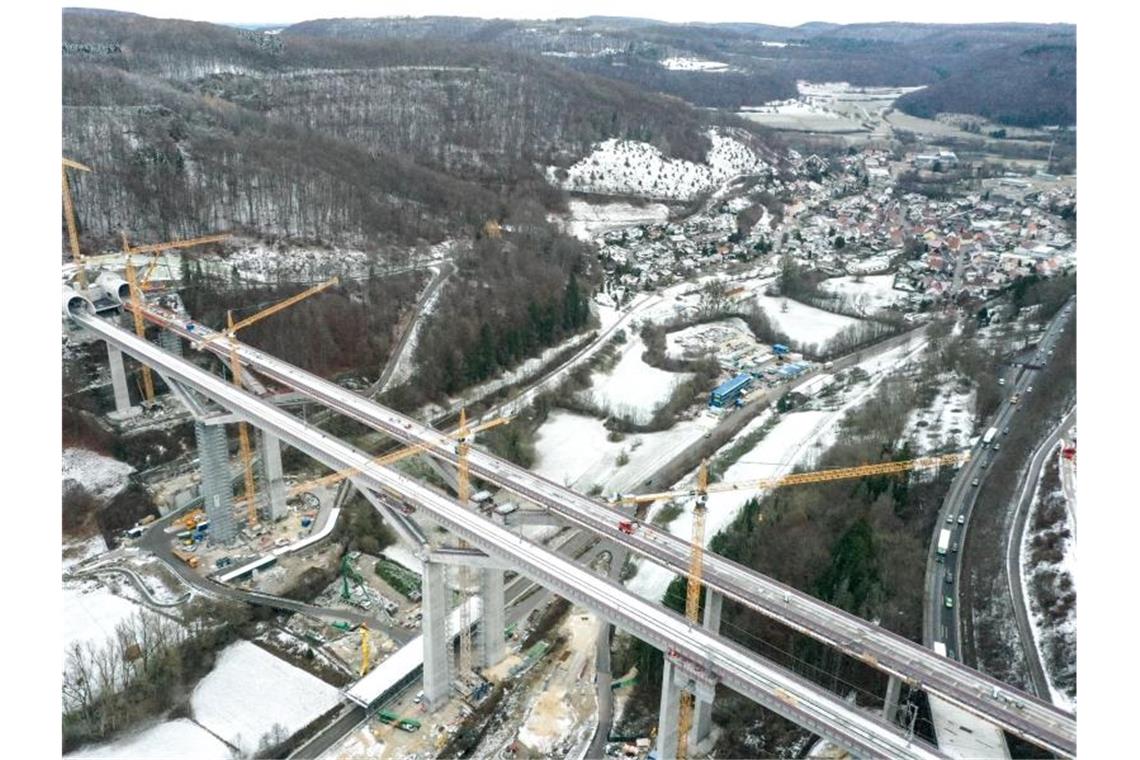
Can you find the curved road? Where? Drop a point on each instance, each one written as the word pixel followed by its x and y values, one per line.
pixel 1013 554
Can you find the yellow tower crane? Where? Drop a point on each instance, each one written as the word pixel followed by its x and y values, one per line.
pixel 69 210
pixel 138 284
pixel 235 371
pixel 697 541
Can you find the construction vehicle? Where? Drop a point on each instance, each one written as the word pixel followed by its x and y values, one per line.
pixel 187 557
pixel 696 558
pixel 192 520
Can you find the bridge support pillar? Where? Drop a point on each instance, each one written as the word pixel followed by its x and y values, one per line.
pixel 891 702
pixel 702 724
pixel 492 628
pixel 170 342
pixel 446 472
pixel 271 464
pixel 119 383
pixel 217 486
pixel 435 638
pixel 668 715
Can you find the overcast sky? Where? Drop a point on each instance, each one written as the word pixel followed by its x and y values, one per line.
pixel 759 11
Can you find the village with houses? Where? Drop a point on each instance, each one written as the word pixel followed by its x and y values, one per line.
pixel 852 216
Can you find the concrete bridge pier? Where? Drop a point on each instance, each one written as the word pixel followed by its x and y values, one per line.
pixel 702 722
pixel 668 714
pixel 492 648
pixel 123 406
pixel 217 485
pixel 891 702
pixel 437 680
pixel 274 477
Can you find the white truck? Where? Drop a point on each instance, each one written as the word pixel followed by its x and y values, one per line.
pixel 988 438
pixel 943 541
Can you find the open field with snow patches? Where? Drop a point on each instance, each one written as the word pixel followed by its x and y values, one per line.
pixel 802 323
pixel 873 294
pixel 573 449
pixel 250 690
pixel 586 221
pixel 180 739
pixel 91 612
pixel 633 388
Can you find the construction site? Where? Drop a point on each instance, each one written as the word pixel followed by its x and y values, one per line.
pixel 292 563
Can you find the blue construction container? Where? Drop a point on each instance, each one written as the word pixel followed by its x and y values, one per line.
pixel 729 391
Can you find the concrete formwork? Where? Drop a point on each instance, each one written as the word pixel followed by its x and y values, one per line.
pixel 217 486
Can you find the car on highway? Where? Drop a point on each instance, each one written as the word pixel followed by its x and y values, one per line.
pixel 1001 381
pixel 949 517
pixel 948 601
pixel 949 576
pixel 961 519
pixel 1006 431
pixel 954 546
pixel 997 446
pixel 1029 390
pixel 975 482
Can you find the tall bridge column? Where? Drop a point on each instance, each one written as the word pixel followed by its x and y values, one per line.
pixel 491 629
pixel 435 638
pixel 217 486
pixel 891 702
pixel 668 715
pixel 714 603
pixel 119 382
pixel 170 342
pixel 274 478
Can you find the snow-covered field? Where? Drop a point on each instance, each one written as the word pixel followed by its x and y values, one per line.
pixel 174 740
pixel 637 168
pixel 633 388
pixel 949 421
pixel 102 476
pixel 693 64
pixel 586 221
pixel 573 450
pixel 250 690
pixel 802 323
pixel 91 612
pixel 874 294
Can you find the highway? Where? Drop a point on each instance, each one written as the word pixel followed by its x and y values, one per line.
pixel 942 623
pixel 1017 712
pixel 691 648
pixel 1013 552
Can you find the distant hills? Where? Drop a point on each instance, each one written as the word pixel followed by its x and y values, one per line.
pixel 398 130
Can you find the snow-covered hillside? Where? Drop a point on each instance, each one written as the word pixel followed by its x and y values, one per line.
pixel 693 64
pixel 626 167
pixel 102 476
